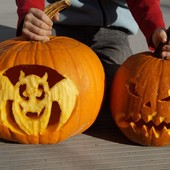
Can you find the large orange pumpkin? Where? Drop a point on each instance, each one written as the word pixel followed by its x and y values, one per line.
pixel 49 91
pixel 140 99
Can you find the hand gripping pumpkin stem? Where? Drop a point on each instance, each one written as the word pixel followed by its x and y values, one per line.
pixel 56 7
pixel 158 50
pixel 53 8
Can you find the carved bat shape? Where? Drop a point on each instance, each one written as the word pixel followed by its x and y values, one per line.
pixel 32 100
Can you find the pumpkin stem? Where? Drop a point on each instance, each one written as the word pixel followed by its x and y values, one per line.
pixel 158 50
pixel 55 7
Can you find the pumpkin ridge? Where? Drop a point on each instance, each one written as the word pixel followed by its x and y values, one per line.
pixel 95 80
pixel 4 59
pixel 127 63
pixel 157 66
pixel 38 58
pixel 15 58
pixel 52 63
pixel 78 75
pixel 91 67
pixel 161 66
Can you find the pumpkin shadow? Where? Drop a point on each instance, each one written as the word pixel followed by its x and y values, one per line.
pixel 105 128
pixel 7 141
pixel 7 33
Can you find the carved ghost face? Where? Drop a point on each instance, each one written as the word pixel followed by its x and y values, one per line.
pixel 32 100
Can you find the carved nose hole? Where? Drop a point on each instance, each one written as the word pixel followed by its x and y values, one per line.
pixel 148 104
pixel 132 90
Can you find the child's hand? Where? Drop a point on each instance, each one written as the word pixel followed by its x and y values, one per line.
pixel 160 36
pixel 37 25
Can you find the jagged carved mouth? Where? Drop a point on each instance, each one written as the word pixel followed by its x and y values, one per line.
pixel 159 125
pixel 34 115
pixel 140 123
pixel 148 129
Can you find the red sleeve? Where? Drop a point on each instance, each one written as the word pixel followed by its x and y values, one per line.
pixel 148 15
pixel 22 9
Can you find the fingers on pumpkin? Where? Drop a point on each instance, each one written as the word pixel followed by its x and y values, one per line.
pixel 38 15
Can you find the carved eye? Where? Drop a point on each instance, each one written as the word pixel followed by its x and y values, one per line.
pixel 22 89
pixel 41 93
pixel 132 90
pixel 167 99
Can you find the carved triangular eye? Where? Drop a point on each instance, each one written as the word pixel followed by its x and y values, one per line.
pixel 166 99
pixel 132 90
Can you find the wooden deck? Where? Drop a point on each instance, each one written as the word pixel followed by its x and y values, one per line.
pixel 102 147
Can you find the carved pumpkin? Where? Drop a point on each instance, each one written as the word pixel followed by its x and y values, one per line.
pixel 140 99
pixel 49 91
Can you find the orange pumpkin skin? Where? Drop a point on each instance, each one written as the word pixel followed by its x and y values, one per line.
pixel 68 58
pixel 140 99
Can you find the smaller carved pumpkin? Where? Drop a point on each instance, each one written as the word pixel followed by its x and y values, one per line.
pixel 140 99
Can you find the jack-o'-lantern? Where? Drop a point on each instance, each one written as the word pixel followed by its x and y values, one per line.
pixel 49 91
pixel 140 99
